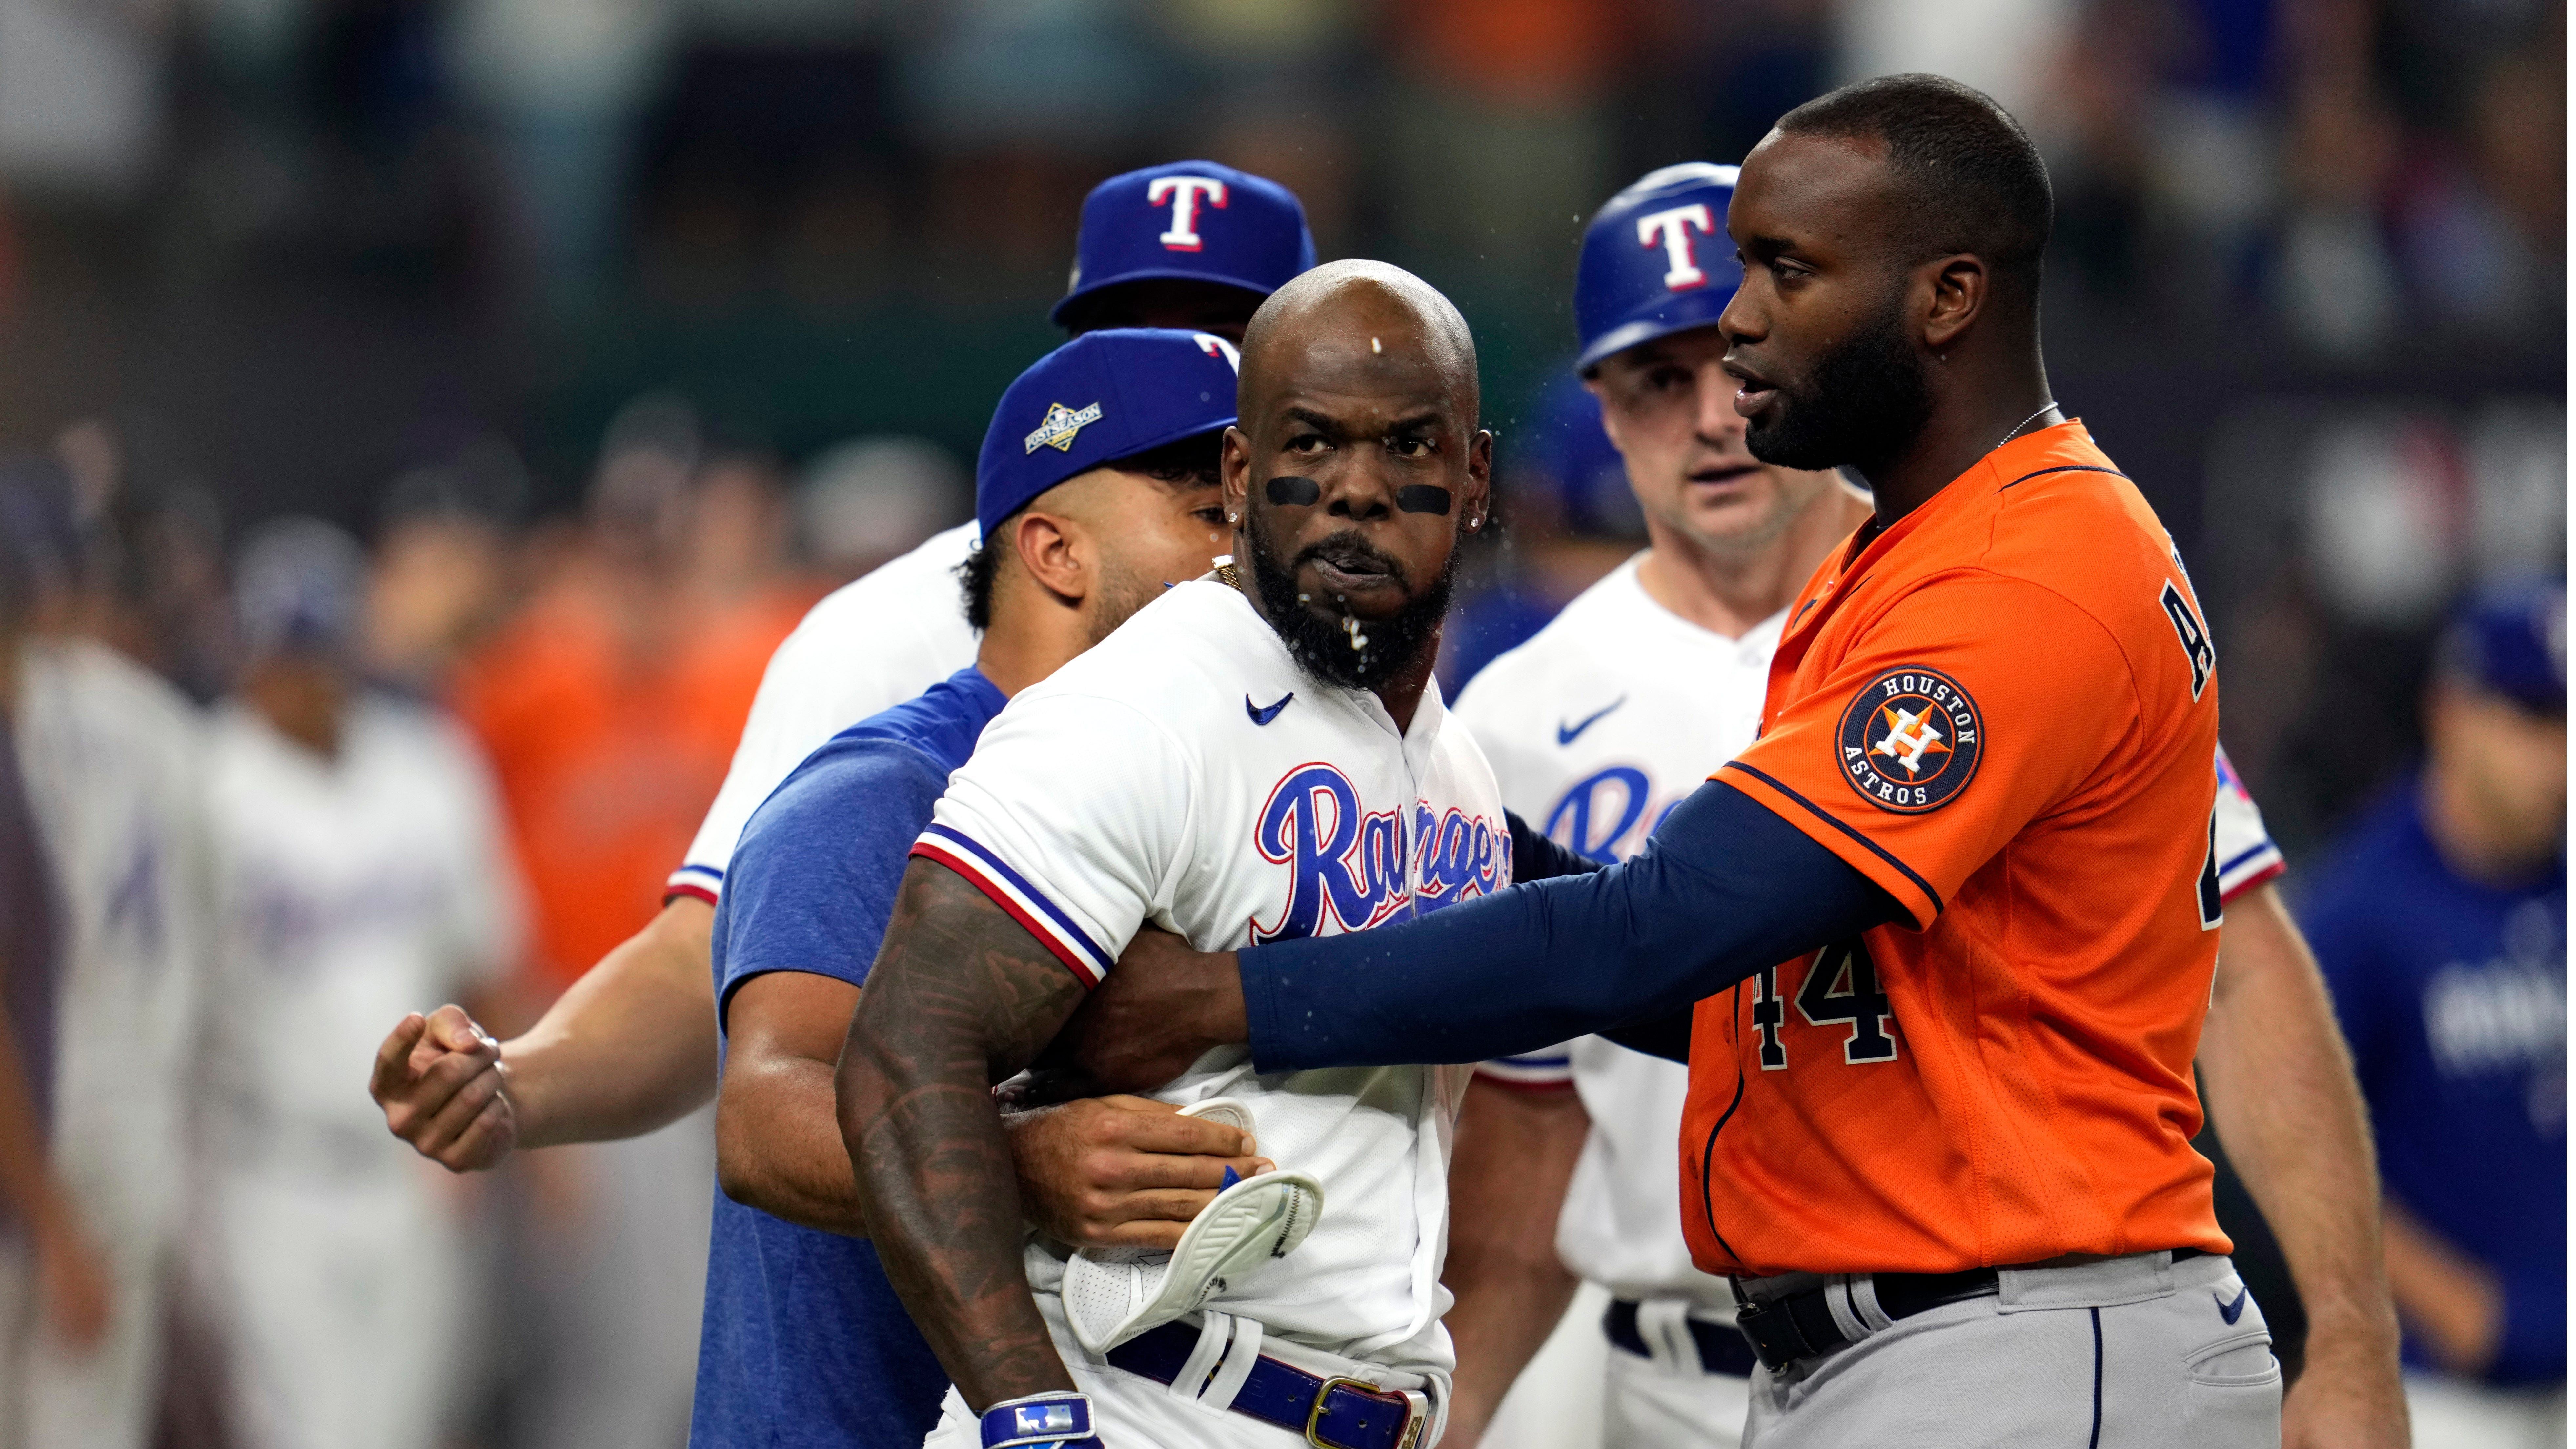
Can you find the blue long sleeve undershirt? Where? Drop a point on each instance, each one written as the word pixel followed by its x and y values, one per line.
pixel 1723 890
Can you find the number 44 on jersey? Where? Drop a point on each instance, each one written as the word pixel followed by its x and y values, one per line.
pixel 1840 985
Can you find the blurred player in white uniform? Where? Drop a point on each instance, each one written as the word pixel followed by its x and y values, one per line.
pixel 360 871
pixel 1629 699
pixel 632 1045
pixel 112 759
pixel 1252 757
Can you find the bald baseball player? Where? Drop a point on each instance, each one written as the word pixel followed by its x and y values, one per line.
pixel 631 1046
pixel 1947 928
pixel 1644 685
pixel 1259 755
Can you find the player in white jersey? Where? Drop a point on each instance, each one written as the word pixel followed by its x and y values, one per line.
pixel 112 760
pixel 1622 705
pixel 631 1046
pixel 359 867
pixel 1252 757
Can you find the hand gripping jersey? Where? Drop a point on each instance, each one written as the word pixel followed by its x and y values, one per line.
pixel 1595 728
pixel 863 649
pixel 2002 710
pixel 1186 774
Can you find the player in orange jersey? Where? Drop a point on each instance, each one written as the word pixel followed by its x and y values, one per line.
pixel 1949 922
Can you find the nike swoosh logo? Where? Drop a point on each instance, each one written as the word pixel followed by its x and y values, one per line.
pixel 2232 1311
pixel 1263 714
pixel 1565 733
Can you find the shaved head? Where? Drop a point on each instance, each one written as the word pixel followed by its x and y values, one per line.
pixel 1362 306
pixel 1354 466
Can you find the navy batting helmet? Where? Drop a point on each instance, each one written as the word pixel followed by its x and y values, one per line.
pixel 1656 260
pixel 1188 220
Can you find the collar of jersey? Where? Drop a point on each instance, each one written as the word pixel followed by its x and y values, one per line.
pixel 1985 477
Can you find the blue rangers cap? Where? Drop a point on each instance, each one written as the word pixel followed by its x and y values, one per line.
pixel 1656 260
pixel 2511 639
pixel 298 584
pixel 1189 220
pixel 1101 397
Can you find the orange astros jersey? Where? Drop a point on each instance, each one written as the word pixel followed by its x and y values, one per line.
pixel 2002 711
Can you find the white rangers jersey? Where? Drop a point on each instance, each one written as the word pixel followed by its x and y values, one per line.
pixel 114 760
pixel 1596 727
pixel 862 649
pixel 1186 774
pixel 352 889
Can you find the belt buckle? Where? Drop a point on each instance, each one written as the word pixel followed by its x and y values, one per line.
pixel 1315 1416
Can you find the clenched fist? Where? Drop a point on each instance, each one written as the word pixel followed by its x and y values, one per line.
pixel 443 1086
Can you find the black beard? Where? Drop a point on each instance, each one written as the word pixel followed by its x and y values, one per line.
pixel 1864 402
pixel 1330 649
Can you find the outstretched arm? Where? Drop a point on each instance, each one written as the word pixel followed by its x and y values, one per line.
pixel 630 1047
pixel 961 997
pixel 2281 1093
pixel 1724 889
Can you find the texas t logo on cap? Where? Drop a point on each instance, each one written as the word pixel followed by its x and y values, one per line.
pixel 1060 427
pixel 1184 193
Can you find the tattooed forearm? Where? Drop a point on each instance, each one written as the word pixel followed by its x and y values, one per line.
pixel 961 996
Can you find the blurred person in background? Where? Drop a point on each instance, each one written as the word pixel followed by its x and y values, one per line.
pixel 866 502
pixel 441 570
pixel 111 761
pixel 608 704
pixel 2442 928
pixel 360 868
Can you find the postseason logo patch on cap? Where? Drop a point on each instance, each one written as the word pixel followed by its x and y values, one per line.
pixel 1910 741
pixel 1059 427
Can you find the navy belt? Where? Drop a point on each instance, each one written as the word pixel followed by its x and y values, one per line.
pixel 1332 1413
pixel 1722 1350
pixel 1801 1325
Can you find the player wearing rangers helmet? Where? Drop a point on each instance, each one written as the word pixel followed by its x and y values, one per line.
pixel 628 1048
pixel 1260 755
pixel 1946 930
pixel 1640 689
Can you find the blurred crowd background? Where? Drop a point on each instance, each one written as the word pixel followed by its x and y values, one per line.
pixel 616 332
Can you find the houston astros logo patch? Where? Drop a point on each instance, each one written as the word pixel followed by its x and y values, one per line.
pixel 1059 427
pixel 1910 740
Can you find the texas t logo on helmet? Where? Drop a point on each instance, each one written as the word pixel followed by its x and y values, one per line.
pixel 1656 260
pixel 1671 230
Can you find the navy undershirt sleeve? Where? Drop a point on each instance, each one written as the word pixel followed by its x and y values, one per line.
pixel 1724 889
pixel 1535 857
pixel 812 884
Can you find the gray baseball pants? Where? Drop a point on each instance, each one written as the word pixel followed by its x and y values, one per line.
pixel 2132 1353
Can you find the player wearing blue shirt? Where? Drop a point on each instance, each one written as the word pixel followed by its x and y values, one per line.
pixel 1096 489
pixel 803 1338
pixel 2442 929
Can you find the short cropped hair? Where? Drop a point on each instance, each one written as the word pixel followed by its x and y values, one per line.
pixel 1976 182
pixel 1188 463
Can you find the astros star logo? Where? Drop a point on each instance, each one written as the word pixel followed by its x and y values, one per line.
pixel 1910 740
pixel 1910 736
